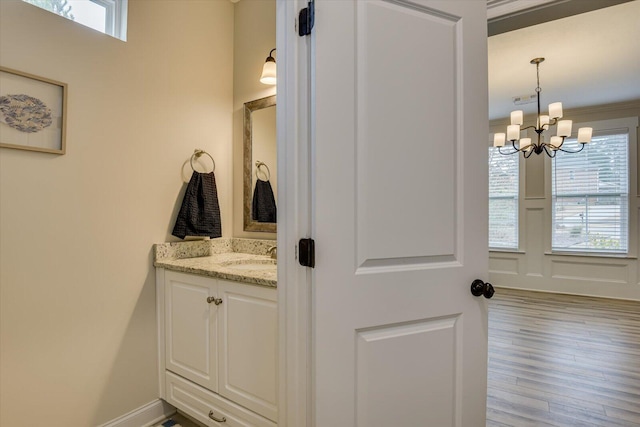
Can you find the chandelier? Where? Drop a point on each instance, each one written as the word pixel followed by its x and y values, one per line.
pixel 543 123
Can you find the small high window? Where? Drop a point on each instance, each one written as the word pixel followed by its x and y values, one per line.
pixel 107 16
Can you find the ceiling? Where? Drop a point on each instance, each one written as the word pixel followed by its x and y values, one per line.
pixel 592 58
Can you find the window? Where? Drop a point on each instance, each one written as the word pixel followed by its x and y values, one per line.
pixel 590 195
pixel 503 200
pixel 106 16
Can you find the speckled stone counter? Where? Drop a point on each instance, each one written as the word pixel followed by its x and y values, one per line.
pixel 218 258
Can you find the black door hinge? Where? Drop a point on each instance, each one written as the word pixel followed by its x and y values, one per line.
pixel 306 19
pixel 307 252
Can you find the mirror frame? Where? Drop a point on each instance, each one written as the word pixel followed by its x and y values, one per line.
pixel 249 223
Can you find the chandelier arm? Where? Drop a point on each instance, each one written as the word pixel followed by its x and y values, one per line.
pixel 573 152
pixel 527 153
pixel 551 153
pixel 507 153
pixel 529 127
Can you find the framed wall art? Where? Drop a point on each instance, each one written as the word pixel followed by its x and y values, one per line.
pixel 33 112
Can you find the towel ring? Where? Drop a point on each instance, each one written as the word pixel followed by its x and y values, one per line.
pixel 266 174
pixel 196 154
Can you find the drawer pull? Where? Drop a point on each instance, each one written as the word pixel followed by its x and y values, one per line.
pixel 220 420
pixel 216 301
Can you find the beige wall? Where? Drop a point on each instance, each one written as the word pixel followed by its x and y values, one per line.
pixel 534 266
pixel 77 326
pixel 254 37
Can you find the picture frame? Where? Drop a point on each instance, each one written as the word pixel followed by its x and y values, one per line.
pixel 33 112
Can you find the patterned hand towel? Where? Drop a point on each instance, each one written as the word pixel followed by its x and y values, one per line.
pixel 263 208
pixel 200 213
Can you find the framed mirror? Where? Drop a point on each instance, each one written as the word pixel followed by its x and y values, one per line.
pixel 260 171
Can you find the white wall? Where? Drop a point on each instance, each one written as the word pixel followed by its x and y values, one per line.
pixel 77 326
pixel 533 266
pixel 254 37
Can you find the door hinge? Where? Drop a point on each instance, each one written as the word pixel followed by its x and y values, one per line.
pixel 307 253
pixel 306 19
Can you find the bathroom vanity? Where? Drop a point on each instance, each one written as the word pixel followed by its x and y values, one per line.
pixel 217 330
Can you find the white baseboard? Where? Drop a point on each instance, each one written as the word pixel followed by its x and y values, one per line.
pixel 145 416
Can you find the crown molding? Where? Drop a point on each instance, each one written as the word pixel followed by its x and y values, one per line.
pixel 508 15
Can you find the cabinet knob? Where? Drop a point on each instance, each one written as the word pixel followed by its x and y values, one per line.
pixel 216 301
pixel 214 418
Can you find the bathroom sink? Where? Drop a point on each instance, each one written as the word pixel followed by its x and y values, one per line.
pixel 251 265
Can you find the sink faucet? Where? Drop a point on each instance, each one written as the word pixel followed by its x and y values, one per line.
pixel 273 252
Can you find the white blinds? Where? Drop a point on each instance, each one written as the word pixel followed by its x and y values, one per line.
pixel 503 200
pixel 590 195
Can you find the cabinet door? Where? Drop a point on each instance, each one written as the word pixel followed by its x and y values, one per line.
pixel 248 344
pixel 191 328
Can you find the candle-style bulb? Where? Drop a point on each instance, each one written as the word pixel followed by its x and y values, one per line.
pixel 584 135
pixel 517 117
pixel 513 132
pixel 555 142
pixel 525 143
pixel 555 110
pixel 564 127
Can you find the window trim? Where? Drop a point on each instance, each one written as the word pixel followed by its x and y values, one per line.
pixel 116 17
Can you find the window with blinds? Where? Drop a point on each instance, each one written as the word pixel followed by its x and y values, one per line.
pixel 503 200
pixel 590 195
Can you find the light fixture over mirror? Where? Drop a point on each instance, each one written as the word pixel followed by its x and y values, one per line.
pixel 268 76
pixel 543 123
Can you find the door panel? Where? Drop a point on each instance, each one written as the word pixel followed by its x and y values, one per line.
pixel 400 213
pixel 408 345
pixel 400 112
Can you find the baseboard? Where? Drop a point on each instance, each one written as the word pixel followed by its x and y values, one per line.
pixel 145 416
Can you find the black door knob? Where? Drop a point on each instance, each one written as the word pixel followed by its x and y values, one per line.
pixel 478 287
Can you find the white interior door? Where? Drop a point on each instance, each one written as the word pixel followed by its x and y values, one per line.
pixel 400 212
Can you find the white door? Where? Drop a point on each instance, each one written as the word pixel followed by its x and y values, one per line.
pixel 400 212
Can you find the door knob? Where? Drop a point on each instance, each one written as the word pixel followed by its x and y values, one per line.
pixel 216 301
pixel 478 287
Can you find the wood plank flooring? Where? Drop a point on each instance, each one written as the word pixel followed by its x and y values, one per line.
pixel 560 360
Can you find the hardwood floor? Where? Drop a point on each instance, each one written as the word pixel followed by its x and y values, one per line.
pixel 559 360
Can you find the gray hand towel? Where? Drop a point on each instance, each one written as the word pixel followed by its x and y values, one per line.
pixel 200 213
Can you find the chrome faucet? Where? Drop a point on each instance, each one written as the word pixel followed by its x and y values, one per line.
pixel 273 252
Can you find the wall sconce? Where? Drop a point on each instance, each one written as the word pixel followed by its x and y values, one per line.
pixel 268 76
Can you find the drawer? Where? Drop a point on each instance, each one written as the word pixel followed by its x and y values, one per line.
pixel 198 402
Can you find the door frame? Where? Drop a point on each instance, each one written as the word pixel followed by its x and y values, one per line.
pixel 294 147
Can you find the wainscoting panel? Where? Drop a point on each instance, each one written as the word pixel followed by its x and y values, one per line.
pixel 590 271
pixel 535 242
pixel 504 264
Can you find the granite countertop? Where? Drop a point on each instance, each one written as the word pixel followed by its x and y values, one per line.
pixel 221 258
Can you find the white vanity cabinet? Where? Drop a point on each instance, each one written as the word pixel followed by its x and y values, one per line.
pixel 218 349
